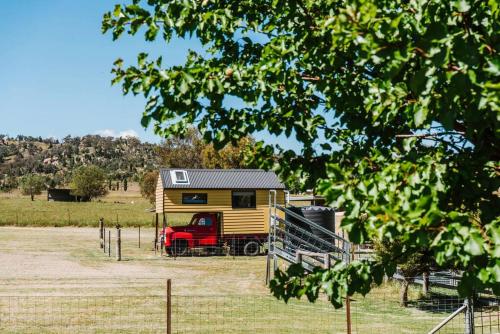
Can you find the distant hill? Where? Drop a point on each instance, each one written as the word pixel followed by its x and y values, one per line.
pixel 121 158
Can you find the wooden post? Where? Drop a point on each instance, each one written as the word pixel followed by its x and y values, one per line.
pixel 425 283
pixel 156 232
pixel 327 261
pixel 234 247
pixel 348 298
pixel 109 243
pixel 118 243
pixel 101 232
pixel 298 257
pixel 104 239
pixel 348 313
pixel 139 236
pixel 169 306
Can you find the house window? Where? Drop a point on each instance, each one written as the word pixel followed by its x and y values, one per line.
pixel 179 177
pixel 243 199
pixel 194 199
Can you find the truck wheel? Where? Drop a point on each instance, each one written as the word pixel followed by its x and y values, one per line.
pixel 252 248
pixel 180 247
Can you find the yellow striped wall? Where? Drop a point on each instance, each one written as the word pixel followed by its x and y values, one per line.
pixel 234 221
pixel 159 196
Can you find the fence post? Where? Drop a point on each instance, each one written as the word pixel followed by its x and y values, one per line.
pixel 109 243
pixel 169 306
pixel 327 261
pixel 156 232
pixel 469 316
pixel 350 254
pixel 118 243
pixel 348 313
pixel 101 232
pixel 104 235
pixel 139 236
pixel 425 283
pixel 298 257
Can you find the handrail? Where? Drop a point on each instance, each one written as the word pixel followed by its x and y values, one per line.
pixel 335 250
pixel 448 319
pixel 307 233
pixel 311 223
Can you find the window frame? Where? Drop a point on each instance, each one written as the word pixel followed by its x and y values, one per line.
pixel 206 226
pixel 253 202
pixel 193 194
pixel 175 180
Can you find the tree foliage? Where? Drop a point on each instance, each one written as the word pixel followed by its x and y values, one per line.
pixel 148 186
pixel 396 104
pixel 230 156
pixel 188 150
pixel 89 181
pixel 183 150
pixel 32 185
pixel 410 265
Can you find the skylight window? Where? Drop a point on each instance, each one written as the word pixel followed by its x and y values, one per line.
pixel 179 177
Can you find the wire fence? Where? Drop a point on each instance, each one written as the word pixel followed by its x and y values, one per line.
pixel 106 305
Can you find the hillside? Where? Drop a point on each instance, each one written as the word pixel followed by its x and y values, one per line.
pixel 121 158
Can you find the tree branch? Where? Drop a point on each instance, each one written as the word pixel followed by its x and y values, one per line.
pixel 430 135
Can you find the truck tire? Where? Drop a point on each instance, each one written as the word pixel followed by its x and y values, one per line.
pixel 180 247
pixel 251 248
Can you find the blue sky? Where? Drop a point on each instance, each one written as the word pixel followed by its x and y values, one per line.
pixel 55 75
pixel 55 70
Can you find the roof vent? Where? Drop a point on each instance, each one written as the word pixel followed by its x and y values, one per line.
pixel 179 177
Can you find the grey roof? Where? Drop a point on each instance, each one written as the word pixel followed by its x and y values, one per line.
pixel 223 179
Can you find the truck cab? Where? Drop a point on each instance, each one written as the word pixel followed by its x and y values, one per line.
pixel 204 231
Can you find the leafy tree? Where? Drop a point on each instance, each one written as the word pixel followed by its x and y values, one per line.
pixel 410 265
pixel 230 156
pixel 148 186
pixel 183 150
pixel 396 104
pixel 32 185
pixel 89 181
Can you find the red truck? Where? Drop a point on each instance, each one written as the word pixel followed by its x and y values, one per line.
pixel 204 232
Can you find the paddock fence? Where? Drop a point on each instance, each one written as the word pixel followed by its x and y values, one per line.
pixel 144 305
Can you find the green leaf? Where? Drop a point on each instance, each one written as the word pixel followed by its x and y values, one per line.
pixel 461 5
pixel 494 67
pixel 474 245
pixel 420 116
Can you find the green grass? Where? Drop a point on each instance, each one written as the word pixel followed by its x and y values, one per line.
pixel 128 209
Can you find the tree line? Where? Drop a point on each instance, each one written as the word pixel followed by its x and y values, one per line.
pixel 187 151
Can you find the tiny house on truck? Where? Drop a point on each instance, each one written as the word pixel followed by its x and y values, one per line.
pixel 230 208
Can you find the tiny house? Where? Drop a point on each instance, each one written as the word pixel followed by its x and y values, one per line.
pixel 227 205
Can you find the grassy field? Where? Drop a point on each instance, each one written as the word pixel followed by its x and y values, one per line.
pixel 59 280
pixel 127 208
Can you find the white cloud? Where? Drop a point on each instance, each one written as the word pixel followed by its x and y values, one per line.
pixel 128 133
pixel 121 134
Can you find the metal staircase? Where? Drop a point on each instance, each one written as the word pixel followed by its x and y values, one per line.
pixel 294 239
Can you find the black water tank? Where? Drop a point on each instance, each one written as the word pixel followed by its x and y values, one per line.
pixel 323 216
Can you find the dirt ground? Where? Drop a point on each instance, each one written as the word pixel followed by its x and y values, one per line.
pixel 34 257
pixel 51 277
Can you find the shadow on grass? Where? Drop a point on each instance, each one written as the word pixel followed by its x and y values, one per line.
pixel 437 302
